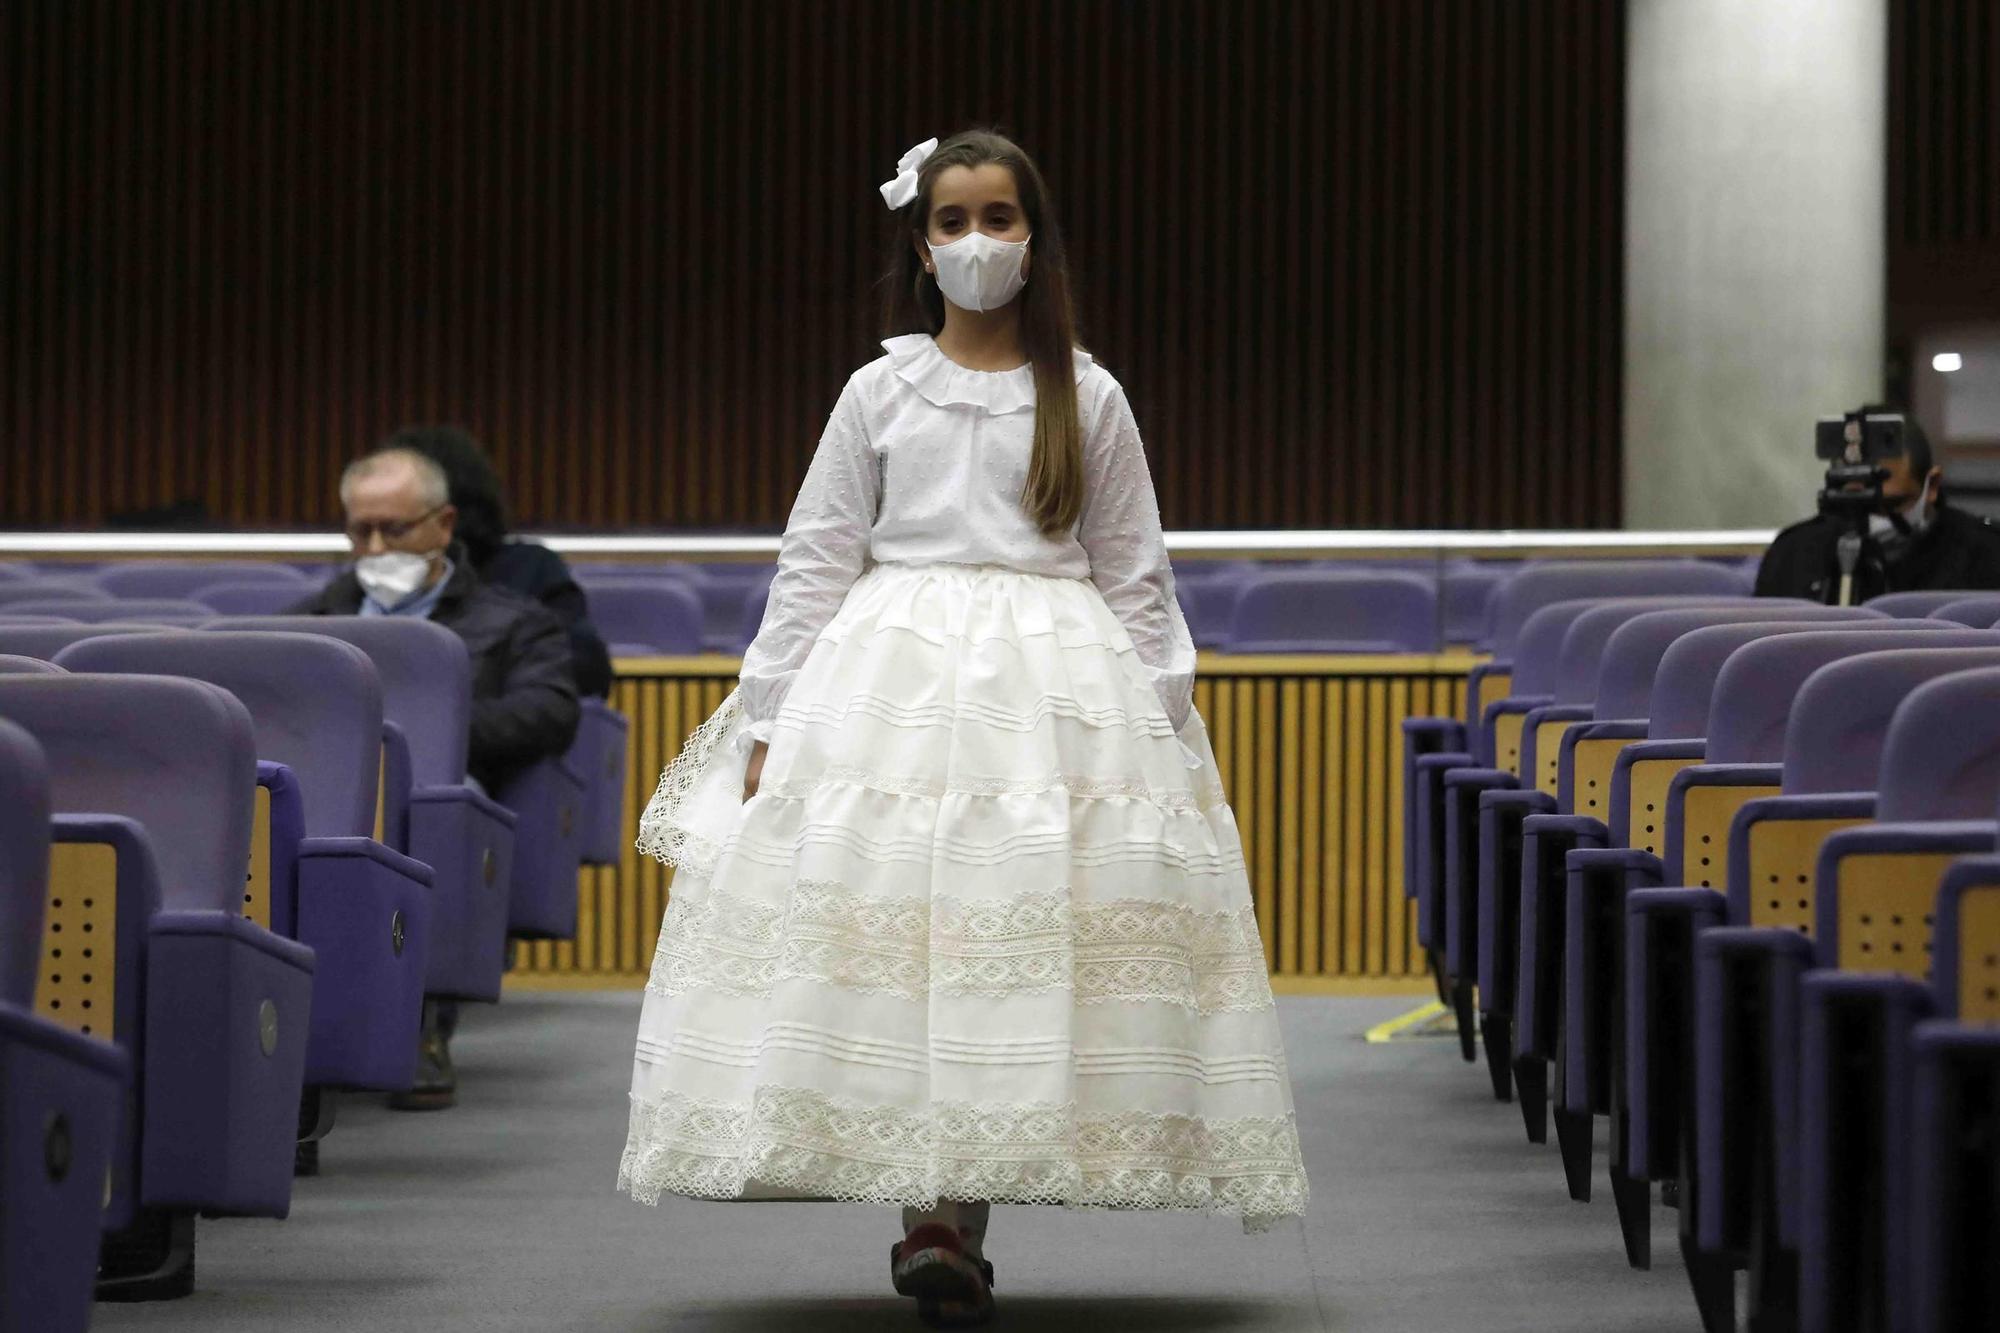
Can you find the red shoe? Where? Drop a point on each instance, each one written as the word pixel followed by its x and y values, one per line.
pixel 952 1289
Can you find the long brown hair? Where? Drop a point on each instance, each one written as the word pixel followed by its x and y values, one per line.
pixel 1053 495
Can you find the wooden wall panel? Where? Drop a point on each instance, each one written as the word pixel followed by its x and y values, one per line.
pixel 1310 751
pixel 1357 263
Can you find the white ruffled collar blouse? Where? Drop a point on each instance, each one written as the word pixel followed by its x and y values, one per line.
pixel 924 461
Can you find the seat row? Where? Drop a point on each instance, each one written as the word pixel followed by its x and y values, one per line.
pixel 1720 872
pixel 235 863
pixel 681 608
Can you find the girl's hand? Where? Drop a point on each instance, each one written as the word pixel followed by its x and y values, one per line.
pixel 755 771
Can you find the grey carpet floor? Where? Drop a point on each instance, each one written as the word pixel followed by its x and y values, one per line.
pixel 1430 1211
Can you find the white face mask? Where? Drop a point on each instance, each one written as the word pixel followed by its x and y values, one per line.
pixel 1918 517
pixel 392 576
pixel 976 272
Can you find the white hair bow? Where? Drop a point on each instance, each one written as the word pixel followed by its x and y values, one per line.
pixel 899 192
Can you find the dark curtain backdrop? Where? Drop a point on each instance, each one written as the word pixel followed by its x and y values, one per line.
pixel 1356 263
pixel 1944 169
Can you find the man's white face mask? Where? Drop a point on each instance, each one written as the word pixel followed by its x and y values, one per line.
pixel 392 577
pixel 1891 534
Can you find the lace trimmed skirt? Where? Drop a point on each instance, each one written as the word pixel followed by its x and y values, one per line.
pixel 984 932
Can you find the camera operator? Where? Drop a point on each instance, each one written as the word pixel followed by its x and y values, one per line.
pixel 1884 501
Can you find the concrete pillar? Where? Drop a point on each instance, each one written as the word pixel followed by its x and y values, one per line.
pixel 1754 265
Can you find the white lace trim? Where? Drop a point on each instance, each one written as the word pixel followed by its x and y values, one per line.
pixel 1127 951
pixel 663 833
pixel 812 1144
pixel 799 715
pixel 1077 786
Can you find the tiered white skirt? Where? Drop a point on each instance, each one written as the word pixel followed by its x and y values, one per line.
pixel 984 932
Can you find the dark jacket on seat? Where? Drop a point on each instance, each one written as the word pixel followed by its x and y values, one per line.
pixel 1957 550
pixel 523 697
pixel 536 572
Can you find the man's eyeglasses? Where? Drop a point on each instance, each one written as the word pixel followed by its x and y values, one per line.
pixel 392 530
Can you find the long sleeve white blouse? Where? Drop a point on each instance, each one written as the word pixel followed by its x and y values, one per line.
pixel 924 461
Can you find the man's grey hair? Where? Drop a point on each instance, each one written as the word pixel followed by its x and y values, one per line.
pixel 431 482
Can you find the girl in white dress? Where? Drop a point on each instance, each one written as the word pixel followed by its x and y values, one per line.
pixel 960 912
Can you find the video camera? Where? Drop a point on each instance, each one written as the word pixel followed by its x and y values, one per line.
pixel 1853 447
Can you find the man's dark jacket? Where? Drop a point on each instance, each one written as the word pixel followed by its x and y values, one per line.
pixel 1958 550
pixel 541 575
pixel 523 695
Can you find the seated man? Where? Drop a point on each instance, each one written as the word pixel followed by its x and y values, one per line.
pixel 503 560
pixel 400 522
pixel 1917 541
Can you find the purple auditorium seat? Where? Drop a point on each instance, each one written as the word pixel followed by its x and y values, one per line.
pixel 430 813
pixel 8 620
pixel 363 909
pixel 602 742
pixel 1915 605
pixel 1955 1190
pixel 184 578
pixel 638 617
pixel 1557 656
pixel 1758 831
pixel 1532 831
pixel 45 641
pixel 11 665
pixel 1978 612
pixel 60 1091
pixel 755 601
pixel 1573 885
pixel 132 611
pixel 724 596
pixel 1208 602
pixel 252 599
pixel 13 570
pixel 1886 968
pixel 1539 583
pixel 17 591
pixel 1315 612
pixel 590 572
pixel 1465 595
pixel 153 782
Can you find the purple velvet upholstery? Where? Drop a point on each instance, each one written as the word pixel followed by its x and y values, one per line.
pixel 214 1009
pixel 61 1093
pixel 465 837
pixel 133 611
pixel 45 641
pixel 550 824
pixel 1540 583
pixel 185 578
pixel 724 593
pixel 1464 600
pixel 1421 736
pixel 1915 605
pixel 1208 601
pixel 252 599
pixel 1981 611
pixel 652 615
pixel 1954 1186
pixel 751 619
pixel 1325 612
pixel 13 592
pixel 599 753
pixel 14 665
pixel 1940 765
pixel 363 909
